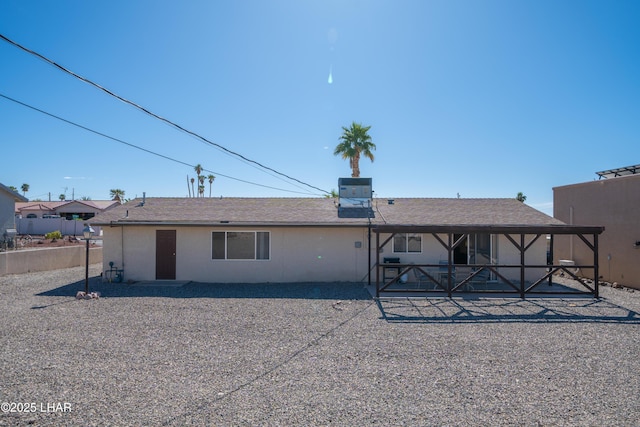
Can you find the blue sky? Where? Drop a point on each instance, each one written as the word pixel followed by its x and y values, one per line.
pixel 476 98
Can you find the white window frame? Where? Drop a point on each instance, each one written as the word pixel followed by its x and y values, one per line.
pixel 406 239
pixel 255 247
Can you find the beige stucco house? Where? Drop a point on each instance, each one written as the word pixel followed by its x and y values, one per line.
pixel 613 201
pixel 67 217
pixel 8 199
pixel 260 240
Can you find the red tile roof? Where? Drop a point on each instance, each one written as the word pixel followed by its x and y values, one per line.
pixel 59 205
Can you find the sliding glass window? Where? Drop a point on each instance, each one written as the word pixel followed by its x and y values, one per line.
pixel 240 245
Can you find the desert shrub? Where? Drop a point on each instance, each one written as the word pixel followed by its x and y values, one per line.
pixel 54 235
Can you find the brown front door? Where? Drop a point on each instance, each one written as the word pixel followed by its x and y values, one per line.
pixel 165 254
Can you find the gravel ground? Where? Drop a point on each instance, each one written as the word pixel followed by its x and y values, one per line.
pixel 311 354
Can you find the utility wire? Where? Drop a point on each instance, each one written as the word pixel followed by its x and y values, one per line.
pixel 150 113
pixel 140 148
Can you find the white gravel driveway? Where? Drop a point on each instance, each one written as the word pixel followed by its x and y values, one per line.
pixel 310 354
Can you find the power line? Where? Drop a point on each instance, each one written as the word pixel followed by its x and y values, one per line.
pixel 140 148
pixel 150 113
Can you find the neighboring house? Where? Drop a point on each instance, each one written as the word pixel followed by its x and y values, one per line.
pixel 66 216
pixel 612 201
pixel 259 240
pixel 35 210
pixel 70 209
pixel 8 199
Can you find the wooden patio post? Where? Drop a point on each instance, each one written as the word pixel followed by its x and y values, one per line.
pixel 450 264
pixel 377 264
pixel 596 271
pixel 522 264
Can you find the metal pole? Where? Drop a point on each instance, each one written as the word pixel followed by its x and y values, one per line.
pixel 596 270
pixel 86 273
pixel 550 262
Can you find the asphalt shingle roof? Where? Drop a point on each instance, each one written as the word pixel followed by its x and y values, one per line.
pixel 322 211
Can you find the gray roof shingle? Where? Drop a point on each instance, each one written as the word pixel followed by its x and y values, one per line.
pixel 322 211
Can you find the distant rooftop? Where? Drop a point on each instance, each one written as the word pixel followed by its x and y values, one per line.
pixel 612 173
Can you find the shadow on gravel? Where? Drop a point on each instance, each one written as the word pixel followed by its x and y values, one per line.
pixel 499 310
pixel 331 291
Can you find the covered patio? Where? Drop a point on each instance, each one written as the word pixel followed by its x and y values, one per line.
pixel 448 277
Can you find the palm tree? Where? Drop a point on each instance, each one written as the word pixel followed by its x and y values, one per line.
pixel 201 179
pixel 62 197
pixel 521 197
pixel 12 188
pixel 117 194
pixel 332 195
pixel 25 188
pixel 356 142
pixel 198 169
pixel 211 178
pixel 193 191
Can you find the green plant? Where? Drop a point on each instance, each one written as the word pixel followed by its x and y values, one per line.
pixel 54 235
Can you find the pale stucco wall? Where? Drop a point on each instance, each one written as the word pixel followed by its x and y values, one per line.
pixel 504 251
pixel 7 212
pixel 29 260
pixel 298 254
pixel 42 226
pixel 613 203
pixel 535 255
